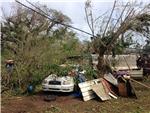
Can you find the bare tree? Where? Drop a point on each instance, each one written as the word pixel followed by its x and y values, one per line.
pixel 131 19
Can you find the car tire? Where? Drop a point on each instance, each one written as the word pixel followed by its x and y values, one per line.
pixel 50 98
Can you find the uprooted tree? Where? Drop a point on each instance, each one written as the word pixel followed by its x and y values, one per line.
pixel 115 30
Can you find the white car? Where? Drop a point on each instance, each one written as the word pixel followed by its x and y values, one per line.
pixel 58 84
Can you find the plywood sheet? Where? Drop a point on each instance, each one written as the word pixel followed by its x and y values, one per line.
pixel 110 78
pixel 89 97
pixel 89 83
pixel 100 92
pixel 86 89
pixel 109 89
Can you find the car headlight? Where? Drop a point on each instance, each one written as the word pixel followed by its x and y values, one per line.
pixel 66 82
pixel 44 82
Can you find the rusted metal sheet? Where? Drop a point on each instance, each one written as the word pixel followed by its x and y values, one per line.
pixel 122 89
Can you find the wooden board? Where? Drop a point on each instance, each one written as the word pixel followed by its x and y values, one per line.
pixel 109 89
pixel 136 73
pixel 86 89
pixel 87 93
pixel 86 98
pixel 89 83
pixel 100 92
pixel 110 78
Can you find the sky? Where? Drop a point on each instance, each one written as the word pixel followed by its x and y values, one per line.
pixel 72 8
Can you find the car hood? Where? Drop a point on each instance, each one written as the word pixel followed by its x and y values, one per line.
pixel 56 78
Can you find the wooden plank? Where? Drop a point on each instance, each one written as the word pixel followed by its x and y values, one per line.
pixel 136 73
pixel 112 95
pixel 110 78
pixel 86 98
pixel 89 83
pixel 125 67
pixel 107 89
pixel 87 93
pixel 140 83
pixel 86 89
pixel 100 92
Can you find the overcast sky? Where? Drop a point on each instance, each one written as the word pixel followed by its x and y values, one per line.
pixel 72 8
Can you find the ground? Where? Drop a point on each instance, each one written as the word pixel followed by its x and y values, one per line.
pixel 67 103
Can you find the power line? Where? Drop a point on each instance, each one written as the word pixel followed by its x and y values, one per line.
pixel 47 16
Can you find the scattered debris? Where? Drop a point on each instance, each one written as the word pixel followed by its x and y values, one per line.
pixel 112 85
pixel 86 89
pixel 100 87
pixel 106 88
pixel 110 78
pixel 110 89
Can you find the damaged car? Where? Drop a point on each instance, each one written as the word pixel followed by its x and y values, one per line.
pixel 58 84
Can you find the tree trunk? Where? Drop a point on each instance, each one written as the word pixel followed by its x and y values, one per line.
pixel 103 66
pixel 100 64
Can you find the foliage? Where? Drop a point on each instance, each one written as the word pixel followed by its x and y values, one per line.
pixel 37 46
pixel 90 73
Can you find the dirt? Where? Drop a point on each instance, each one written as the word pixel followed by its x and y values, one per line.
pixel 67 103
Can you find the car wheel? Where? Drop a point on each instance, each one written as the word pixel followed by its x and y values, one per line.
pixel 50 98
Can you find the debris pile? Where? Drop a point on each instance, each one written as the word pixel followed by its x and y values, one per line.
pixel 112 85
pixel 108 87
